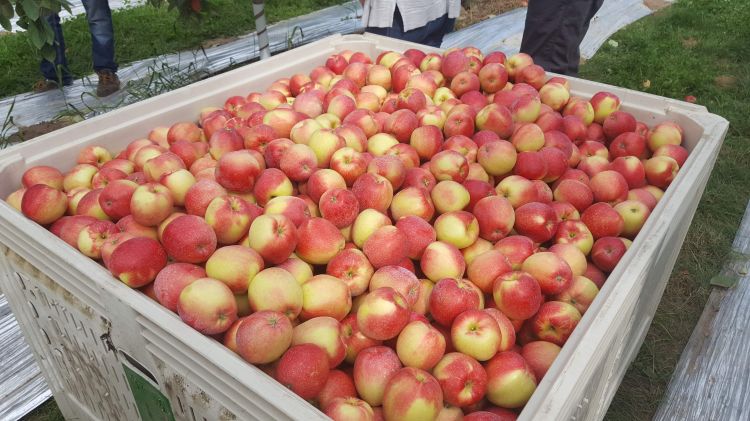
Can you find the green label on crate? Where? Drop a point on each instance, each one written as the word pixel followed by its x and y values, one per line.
pixel 152 404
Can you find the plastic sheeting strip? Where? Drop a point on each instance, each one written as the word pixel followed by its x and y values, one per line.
pixel 76 7
pixel 22 386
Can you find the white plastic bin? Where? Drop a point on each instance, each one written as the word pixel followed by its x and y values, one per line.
pixel 109 352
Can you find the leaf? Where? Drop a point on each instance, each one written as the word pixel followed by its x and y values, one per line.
pixel 66 5
pixel 5 23
pixel 31 7
pixel 49 34
pixel 48 52
pixel 6 9
pixel 36 35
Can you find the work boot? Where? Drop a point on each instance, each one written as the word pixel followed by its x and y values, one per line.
pixel 109 83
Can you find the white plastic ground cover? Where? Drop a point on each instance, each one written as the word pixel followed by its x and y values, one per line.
pixel 22 386
pixel 32 108
pixel 504 32
pixel 76 8
pixel 202 379
pixel 712 379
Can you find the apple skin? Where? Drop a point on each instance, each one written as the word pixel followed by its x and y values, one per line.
pixel 189 239
pixel 476 334
pixel 420 345
pixel 304 369
pixel 43 204
pixel 276 331
pixel 373 368
pixel 412 394
pixel 349 408
pixel 462 378
pixel 206 305
pixel 537 221
pixel 383 314
pixel 517 295
pixel 540 355
pixel 318 241
pixel 552 272
pixel 323 332
pixel 607 252
pixel 510 380
pixel 486 267
pixel 339 385
pixel 172 279
pixel 325 295
pixel 451 297
pixel 137 261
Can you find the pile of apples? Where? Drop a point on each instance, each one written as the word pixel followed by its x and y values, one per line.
pixel 413 238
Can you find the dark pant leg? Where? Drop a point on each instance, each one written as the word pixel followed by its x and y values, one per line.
pixel 554 31
pixel 437 29
pixel 430 34
pixel 49 70
pixel 99 17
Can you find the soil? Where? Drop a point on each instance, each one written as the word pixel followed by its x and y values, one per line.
pixel 30 132
pixel 473 11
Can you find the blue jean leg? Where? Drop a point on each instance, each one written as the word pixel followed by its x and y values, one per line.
pixel 48 68
pixel 431 34
pixel 99 17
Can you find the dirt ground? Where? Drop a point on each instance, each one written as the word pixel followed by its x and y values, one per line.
pixel 474 11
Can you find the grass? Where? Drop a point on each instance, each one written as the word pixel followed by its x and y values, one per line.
pixel 140 32
pixel 699 48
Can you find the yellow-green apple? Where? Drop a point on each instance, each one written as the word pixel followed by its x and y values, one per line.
pixel 644 196
pixel 92 237
pixel 89 205
pixel 298 162
pixel 114 199
pixel 354 137
pixel 604 104
pixel 380 143
pixel 537 221
pixel 178 183
pixel 515 63
pixel 354 340
pixel 412 201
pixel 74 196
pixel 517 295
pixel 304 369
pixel 68 228
pixel 419 177
pixel 367 222
pixel 373 191
pixel 318 241
pixel 551 271
pixel 400 279
pixel 373 368
pixel 276 331
pixel 660 170
pixel 150 204
pixel 423 298
pixel 526 108
pixel 189 239
pixel 507 329
pixel 172 279
pixel 322 75
pixel 655 191
pixel 497 157
pixel 449 165
pixel 419 234
pixel 230 217
pixel 235 265
pixel 349 163
pixel 634 215
pixel 442 95
pixel 442 260
pixel 390 167
pixel 554 95
pixel 272 182
pixel 221 142
pixel 300 270
pixel 42 174
pixel 137 261
pixel 462 379
pixel 273 236
pixel 94 155
pixel 458 228
pixel 581 108
pixel 473 251
pixel 128 224
pixel 528 137
pixel 348 409
pixel 162 164
pixel 451 297
pixel 665 133
pixel 203 165
pixel 386 246
pixel 420 345
pixel 609 186
pixel 572 255
pixel 412 394
pixel 379 75
pixel 540 355
pixel 133 147
pixel 477 173
pixel 352 267
pixel 323 332
pixel 575 232
pixel 476 334
pixel 325 295
pixel 184 131
pixel 449 196
pixel 382 314
pixel 516 248
pixel 300 133
pixel 365 120
pixel 79 176
pixel 554 322
pixel 322 180
pixel 510 380
pixel 580 294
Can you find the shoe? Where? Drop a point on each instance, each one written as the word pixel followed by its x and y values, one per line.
pixel 109 83
pixel 45 85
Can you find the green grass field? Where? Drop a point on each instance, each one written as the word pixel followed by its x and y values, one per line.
pixel 699 48
pixel 140 32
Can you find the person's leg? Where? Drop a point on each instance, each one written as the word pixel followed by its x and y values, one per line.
pixel 542 32
pixel 583 11
pixel 99 17
pixel 437 29
pixel 49 69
